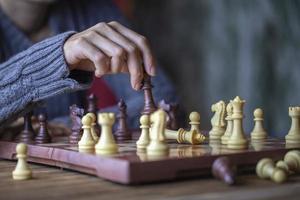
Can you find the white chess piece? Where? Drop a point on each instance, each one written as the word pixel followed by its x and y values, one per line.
pixel 22 170
pixel 218 121
pixel 106 144
pixel 86 143
pixel 229 127
pixel 258 132
pixel 93 127
pixel 144 139
pixel 195 121
pixel 294 133
pixel 237 139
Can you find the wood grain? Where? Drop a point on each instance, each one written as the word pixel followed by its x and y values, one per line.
pixel 53 183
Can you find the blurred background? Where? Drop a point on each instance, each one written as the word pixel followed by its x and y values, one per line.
pixel 214 50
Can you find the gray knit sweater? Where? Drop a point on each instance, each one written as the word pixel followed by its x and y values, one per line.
pixel 30 73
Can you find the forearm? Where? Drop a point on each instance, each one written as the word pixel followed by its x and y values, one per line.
pixel 33 75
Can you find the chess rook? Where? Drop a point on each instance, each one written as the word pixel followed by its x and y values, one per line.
pixel 291 162
pixel 122 132
pixel 22 170
pixel 217 121
pixel 237 139
pixel 144 139
pixel 86 143
pixel 106 144
pixel 76 114
pixel 27 134
pixel 149 105
pixel 258 132
pixel 225 170
pixel 266 169
pixel 229 127
pixel 293 135
pixel 43 134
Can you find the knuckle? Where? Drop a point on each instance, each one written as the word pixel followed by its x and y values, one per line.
pixel 113 23
pixel 119 52
pixel 101 25
pixel 132 49
pixel 143 41
pixel 91 34
pixel 99 58
pixel 80 41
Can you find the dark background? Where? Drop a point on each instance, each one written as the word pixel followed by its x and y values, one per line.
pixel 214 50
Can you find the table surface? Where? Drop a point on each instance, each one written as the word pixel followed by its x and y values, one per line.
pixel 53 183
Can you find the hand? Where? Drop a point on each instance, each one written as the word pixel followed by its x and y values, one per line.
pixel 110 48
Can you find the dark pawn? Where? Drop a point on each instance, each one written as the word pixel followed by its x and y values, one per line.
pixel 76 114
pixel 122 132
pixel 225 170
pixel 27 134
pixel 171 109
pixel 43 134
pixel 92 108
pixel 149 105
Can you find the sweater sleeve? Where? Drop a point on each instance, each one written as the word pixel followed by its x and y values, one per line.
pixel 35 74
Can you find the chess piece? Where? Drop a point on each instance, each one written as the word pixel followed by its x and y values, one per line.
pixel 43 134
pixel 122 132
pixel 27 134
pixel 144 139
pixel 92 108
pixel 93 126
pixel 291 162
pixel 217 121
pixel 229 127
pixel 158 146
pixel 149 106
pixel 258 132
pixel 294 133
pixel 266 169
pixel 225 170
pixel 106 144
pixel 237 139
pixel 183 136
pixel 86 143
pixel 195 121
pixel 76 114
pixel 22 170
pixel 171 109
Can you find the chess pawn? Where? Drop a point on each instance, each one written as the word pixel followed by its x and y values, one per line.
pixel 149 105
pixel 86 143
pixel 291 162
pixel 22 170
pixel 158 146
pixel 225 170
pixel 229 127
pixel 27 134
pixel 195 121
pixel 294 133
pixel 237 139
pixel 122 132
pixel 258 132
pixel 106 144
pixel 266 169
pixel 43 134
pixel 93 127
pixel 144 139
pixel 217 121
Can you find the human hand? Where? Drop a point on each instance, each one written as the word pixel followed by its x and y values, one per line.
pixel 110 48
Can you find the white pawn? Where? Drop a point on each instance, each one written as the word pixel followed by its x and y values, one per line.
pixel 258 132
pixel 229 127
pixel 86 143
pixel 294 133
pixel 144 139
pixel 195 121
pixel 106 144
pixel 22 170
pixel 158 146
pixel 93 127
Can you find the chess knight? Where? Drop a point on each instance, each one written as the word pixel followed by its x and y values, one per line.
pixel 218 120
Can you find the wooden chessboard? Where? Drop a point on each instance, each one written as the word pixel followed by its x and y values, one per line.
pixel 132 167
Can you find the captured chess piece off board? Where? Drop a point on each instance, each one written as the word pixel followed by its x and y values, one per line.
pixel 158 151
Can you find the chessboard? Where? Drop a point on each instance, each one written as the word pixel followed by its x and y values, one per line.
pixel 130 166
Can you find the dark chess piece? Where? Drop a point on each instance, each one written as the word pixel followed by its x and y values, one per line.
pixel 43 134
pixel 225 170
pixel 122 132
pixel 149 105
pixel 27 134
pixel 76 114
pixel 171 109
pixel 92 108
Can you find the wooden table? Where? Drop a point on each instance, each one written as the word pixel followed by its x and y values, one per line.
pixel 53 183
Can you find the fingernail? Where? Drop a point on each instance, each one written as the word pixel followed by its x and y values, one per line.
pixel 137 86
pixel 152 71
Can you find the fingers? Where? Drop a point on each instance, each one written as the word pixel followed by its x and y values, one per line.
pixel 141 42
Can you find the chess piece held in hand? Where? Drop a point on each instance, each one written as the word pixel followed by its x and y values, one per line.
pixel 22 170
